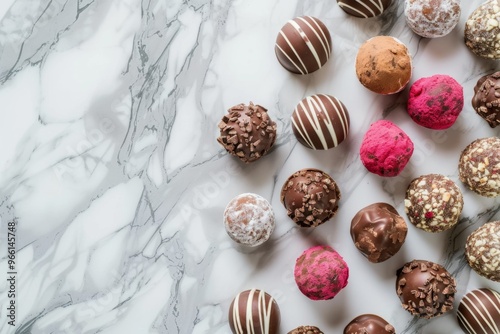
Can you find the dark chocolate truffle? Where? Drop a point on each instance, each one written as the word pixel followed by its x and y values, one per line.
pixel 306 330
pixel 249 219
pixel 482 30
pixel 479 312
pixel 432 18
pixel 378 231
pixel 479 166
pixel 247 132
pixel 482 250
pixel 303 45
pixel 433 203
pixel 364 8
pixel 425 288
pixel 486 99
pixel 369 324
pixel 320 122
pixel 254 312
pixel 310 197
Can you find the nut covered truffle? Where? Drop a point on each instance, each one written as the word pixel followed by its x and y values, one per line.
pixel 369 324
pixel 320 122
pixel 425 289
pixel 479 166
pixel 479 312
pixel 310 197
pixel 306 330
pixel 433 203
pixel 247 132
pixel 482 30
pixel 364 8
pixel 378 231
pixel 254 309
pixel 303 45
pixel 486 99
pixel 432 18
pixel 482 251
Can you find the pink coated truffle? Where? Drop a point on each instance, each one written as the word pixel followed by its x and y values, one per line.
pixel 386 149
pixel 320 273
pixel 435 102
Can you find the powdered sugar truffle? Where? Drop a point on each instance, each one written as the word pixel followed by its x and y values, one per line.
pixel 432 18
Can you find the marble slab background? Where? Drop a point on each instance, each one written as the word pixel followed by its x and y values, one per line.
pixel 109 163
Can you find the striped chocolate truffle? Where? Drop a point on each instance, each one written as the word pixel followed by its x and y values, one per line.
pixel 254 312
pixel 320 122
pixel 364 8
pixel 303 45
pixel 479 312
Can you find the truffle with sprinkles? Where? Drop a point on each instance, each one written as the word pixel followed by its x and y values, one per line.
pixel 482 30
pixel 482 251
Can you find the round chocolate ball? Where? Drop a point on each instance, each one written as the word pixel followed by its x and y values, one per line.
pixel 433 203
pixel 482 250
pixel 306 330
pixel 364 8
pixel 432 18
pixel 247 132
pixel 482 30
pixel 303 45
pixel 378 231
pixel 486 99
pixel 479 312
pixel 249 219
pixel 479 166
pixel 320 122
pixel 310 197
pixel 254 310
pixel 425 289
pixel 369 324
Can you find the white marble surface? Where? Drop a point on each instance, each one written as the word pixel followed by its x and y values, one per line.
pixel 110 165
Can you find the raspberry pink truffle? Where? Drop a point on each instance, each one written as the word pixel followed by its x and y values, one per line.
pixel 320 273
pixel 386 149
pixel 435 102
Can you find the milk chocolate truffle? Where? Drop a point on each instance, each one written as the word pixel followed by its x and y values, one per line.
pixel 486 99
pixel 369 324
pixel 249 219
pixel 247 132
pixel 306 330
pixel 320 122
pixel 482 30
pixel 425 289
pixel 378 231
pixel 432 18
pixel 310 197
pixel 364 8
pixel 479 166
pixel 383 65
pixel 482 251
pixel 254 312
pixel 479 312
pixel 303 45
pixel 433 203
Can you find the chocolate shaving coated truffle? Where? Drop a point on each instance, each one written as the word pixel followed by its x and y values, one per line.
pixel 306 330
pixel 482 250
pixel 486 99
pixel 369 324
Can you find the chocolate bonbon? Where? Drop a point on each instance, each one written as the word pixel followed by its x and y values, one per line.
pixel 486 99
pixel 364 8
pixel 479 312
pixel 369 324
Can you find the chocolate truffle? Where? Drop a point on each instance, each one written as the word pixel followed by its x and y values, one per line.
pixel 306 330
pixel 479 166
pixel 369 324
pixel 383 65
pixel 433 203
pixel 425 288
pixel 303 45
pixel 364 8
pixel 321 273
pixel 320 122
pixel 486 99
pixel 247 132
pixel 378 231
pixel 385 149
pixel 479 312
pixel 249 219
pixel 310 197
pixel 254 312
pixel 482 251
pixel 432 18
pixel 482 30
pixel 435 102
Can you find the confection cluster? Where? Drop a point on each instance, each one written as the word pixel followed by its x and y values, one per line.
pixel 433 203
